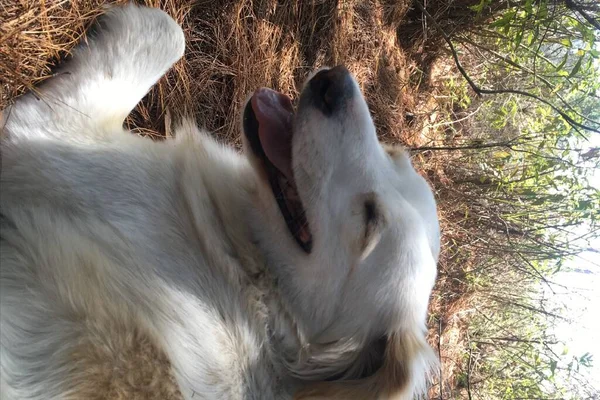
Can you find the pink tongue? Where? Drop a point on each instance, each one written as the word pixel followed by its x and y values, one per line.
pixel 274 113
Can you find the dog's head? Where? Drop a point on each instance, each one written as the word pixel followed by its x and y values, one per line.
pixel 348 227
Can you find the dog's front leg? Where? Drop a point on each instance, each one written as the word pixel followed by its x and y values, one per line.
pixel 126 53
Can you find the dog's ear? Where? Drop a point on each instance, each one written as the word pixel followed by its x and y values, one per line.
pixel 375 222
pixel 395 151
pixel 407 364
pixel 398 154
pixel 368 362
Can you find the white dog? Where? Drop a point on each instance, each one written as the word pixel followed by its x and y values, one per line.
pixel 300 270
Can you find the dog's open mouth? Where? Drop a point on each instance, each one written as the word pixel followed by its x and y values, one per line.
pixel 268 127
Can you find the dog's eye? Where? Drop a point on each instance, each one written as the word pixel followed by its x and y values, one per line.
pixel 375 221
pixel 370 212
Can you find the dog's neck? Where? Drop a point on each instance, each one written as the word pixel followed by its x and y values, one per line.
pixel 240 205
pixel 231 189
pixel 341 358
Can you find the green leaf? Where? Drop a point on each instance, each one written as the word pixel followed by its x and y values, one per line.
pixel 501 154
pixel 576 68
pixel 479 7
pixel 504 20
pixel 553 365
pixel 563 62
pixel 566 42
pixel 583 205
pixel 558 87
pixel 519 37
pixel 558 266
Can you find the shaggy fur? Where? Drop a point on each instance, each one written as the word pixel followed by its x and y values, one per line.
pixel 116 250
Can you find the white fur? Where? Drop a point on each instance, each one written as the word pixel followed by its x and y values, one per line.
pixel 104 233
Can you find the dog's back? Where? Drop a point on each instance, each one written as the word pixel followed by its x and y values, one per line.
pixel 100 247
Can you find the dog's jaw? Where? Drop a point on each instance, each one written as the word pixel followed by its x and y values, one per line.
pixel 302 361
pixel 267 128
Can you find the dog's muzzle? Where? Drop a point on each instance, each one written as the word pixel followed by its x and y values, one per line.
pixel 329 90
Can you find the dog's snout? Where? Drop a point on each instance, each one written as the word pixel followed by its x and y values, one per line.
pixel 331 88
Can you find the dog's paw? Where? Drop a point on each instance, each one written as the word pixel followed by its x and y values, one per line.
pixel 145 38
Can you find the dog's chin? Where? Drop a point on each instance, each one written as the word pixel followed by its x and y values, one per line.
pixel 268 131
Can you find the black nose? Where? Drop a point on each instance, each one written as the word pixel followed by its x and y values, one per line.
pixel 331 89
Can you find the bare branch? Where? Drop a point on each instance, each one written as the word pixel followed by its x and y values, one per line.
pixel 576 125
pixel 571 5
pixel 506 144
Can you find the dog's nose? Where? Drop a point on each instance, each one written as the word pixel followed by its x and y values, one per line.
pixel 332 88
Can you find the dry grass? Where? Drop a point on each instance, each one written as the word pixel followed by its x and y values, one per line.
pixel 236 46
pixel 233 47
